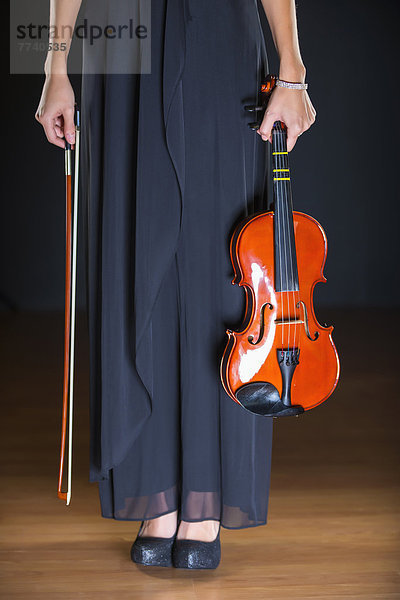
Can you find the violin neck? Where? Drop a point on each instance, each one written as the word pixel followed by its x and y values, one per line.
pixel 286 274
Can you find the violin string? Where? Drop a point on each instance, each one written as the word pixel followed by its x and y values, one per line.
pixel 289 240
pixel 277 210
pixel 287 236
pixel 291 293
pixel 282 162
pixel 282 240
pixel 278 219
pixel 296 293
pixel 290 232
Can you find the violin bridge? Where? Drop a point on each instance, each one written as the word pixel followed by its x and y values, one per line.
pixel 289 322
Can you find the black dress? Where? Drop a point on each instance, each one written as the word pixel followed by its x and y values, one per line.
pixel 169 167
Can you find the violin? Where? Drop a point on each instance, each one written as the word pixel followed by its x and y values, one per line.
pixel 283 361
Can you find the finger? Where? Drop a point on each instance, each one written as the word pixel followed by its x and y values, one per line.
pixel 69 125
pixel 293 132
pixel 266 126
pixel 59 126
pixel 51 134
pixel 59 131
pixel 291 142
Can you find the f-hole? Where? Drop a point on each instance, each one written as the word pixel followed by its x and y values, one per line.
pixel 262 324
pixel 305 318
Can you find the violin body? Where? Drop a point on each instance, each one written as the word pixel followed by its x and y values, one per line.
pixel 283 361
pixel 252 253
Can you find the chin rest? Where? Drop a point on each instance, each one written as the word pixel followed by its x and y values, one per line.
pixel 262 398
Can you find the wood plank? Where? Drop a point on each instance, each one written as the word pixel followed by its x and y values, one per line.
pixel 333 523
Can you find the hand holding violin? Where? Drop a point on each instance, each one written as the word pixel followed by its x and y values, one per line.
pixel 292 107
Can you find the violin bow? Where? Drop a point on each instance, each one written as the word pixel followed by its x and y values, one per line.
pixel 70 307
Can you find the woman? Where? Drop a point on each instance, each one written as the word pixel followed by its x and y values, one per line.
pixel 169 167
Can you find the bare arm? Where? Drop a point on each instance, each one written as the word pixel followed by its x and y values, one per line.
pixel 293 107
pixel 56 107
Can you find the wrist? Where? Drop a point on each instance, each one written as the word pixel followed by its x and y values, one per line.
pixel 292 71
pixel 55 64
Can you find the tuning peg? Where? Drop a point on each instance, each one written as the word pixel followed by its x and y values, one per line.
pixel 255 125
pixel 266 88
pixel 254 107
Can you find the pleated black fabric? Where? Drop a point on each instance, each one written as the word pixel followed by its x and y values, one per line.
pixel 169 167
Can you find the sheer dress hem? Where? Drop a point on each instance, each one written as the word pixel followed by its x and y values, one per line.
pixel 258 524
pixel 197 507
pixel 189 521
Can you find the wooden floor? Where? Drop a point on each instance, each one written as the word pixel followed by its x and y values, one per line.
pixel 333 528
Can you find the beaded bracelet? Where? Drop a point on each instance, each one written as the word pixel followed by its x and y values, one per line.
pixel 291 85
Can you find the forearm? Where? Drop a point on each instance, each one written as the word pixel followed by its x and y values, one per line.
pixel 63 15
pixel 281 15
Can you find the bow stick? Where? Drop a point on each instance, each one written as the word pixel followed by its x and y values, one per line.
pixel 70 308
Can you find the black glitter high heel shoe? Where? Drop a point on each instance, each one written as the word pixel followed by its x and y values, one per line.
pixel 195 554
pixel 152 551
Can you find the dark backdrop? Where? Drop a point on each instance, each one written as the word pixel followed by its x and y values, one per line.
pixel 344 169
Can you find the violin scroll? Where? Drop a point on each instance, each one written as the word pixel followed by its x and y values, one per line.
pixel 267 86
